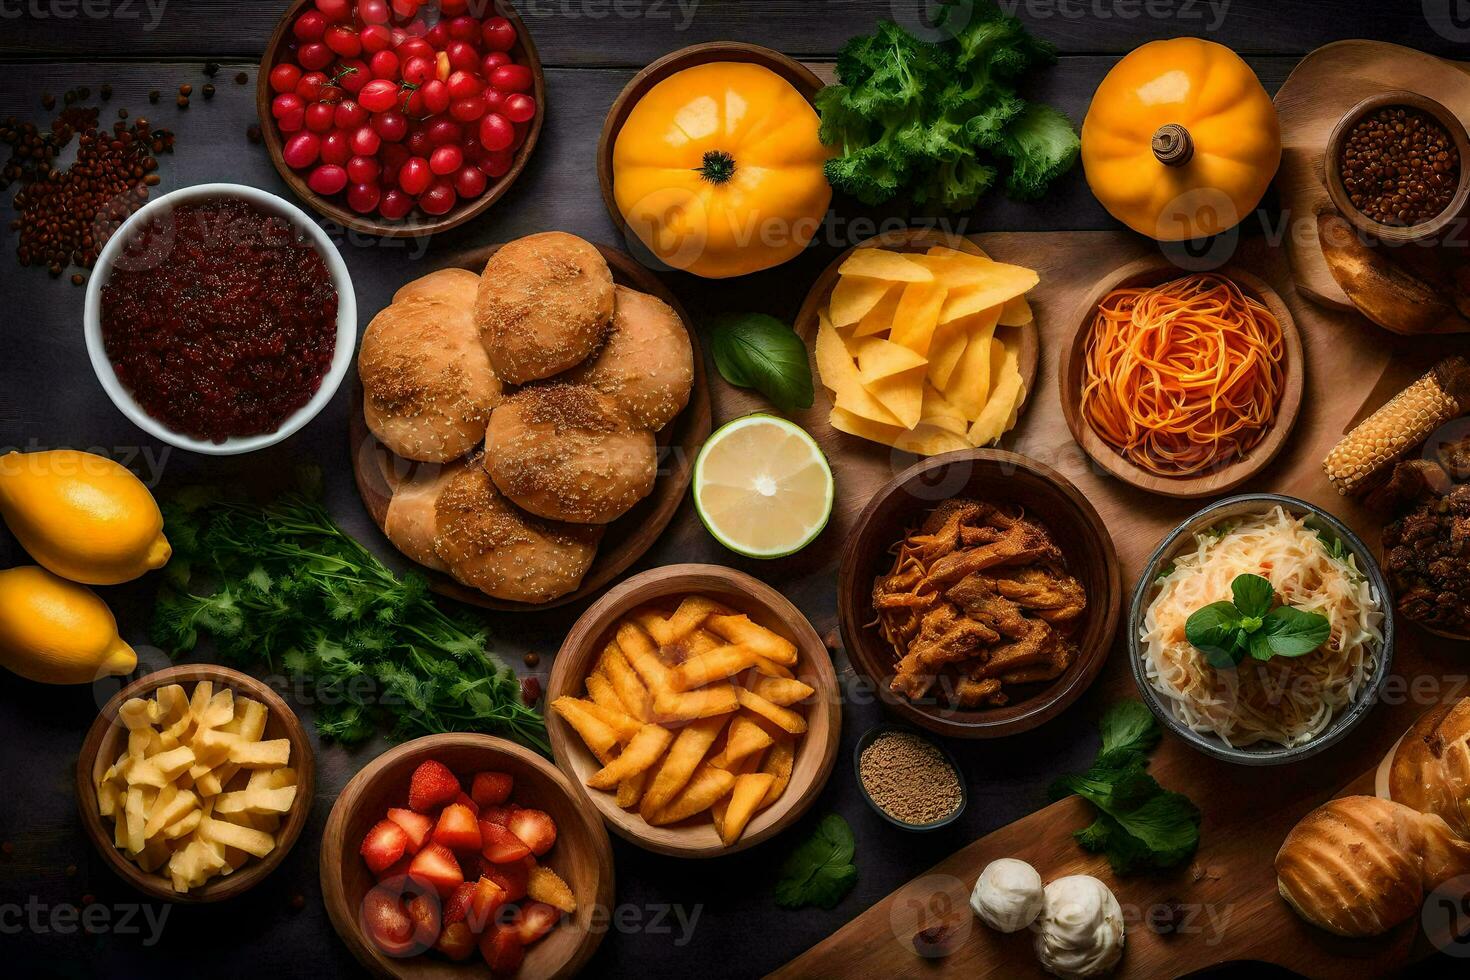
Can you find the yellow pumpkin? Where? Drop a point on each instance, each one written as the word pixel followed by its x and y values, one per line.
pixel 718 170
pixel 1181 140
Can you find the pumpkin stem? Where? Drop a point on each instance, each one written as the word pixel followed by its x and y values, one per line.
pixel 1172 145
pixel 717 167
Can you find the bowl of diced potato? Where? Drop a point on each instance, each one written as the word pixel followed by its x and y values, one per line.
pixel 696 708
pixel 194 782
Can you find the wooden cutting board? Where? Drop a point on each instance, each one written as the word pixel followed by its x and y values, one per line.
pixel 1323 86
pixel 1352 366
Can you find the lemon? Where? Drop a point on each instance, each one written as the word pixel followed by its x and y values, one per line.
pixel 58 632
pixel 762 487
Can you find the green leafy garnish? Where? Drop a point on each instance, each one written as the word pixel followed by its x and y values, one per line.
pixel 753 350
pixel 1139 825
pixel 280 584
pixel 1227 631
pixel 941 122
pixel 820 871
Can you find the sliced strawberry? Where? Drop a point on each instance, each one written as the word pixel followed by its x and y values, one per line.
pixel 513 877
pixel 383 845
pixel 388 917
pixel 457 829
pixel 464 799
pixel 502 949
pixel 487 900
pixel 436 865
pixel 500 846
pixel 496 814
pixel 534 921
pixel 415 825
pixel 491 788
pixel 535 828
pixel 424 910
pixel 457 905
pixel 398 869
pixel 456 941
pixel 432 785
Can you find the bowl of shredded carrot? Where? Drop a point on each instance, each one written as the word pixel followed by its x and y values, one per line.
pixel 1182 383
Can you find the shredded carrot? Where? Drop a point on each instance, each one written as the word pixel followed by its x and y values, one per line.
pixel 1183 376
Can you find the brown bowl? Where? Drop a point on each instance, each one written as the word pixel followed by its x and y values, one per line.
pixel 107 739
pixel 1002 477
pixel 582 855
pixel 800 77
pixel 416 223
pixel 1332 169
pixel 816 750
pixel 1151 272
pixel 378 471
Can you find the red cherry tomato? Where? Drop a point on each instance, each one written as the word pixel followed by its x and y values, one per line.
pixel 373 11
pixel 376 37
pixel 438 35
pixel 469 182
pixel 463 28
pixel 404 9
pixel 463 56
pixel 496 132
pixel 416 27
pixel 287 102
pixel 309 26
pixel 334 10
pixel 492 61
pixel 285 77
pixel 436 96
pixel 496 163
pixel 301 150
pixel 497 34
pixel 343 40
pixel 468 110
pixel 364 170
pixel 363 197
pixel 395 205
pixel 413 45
pixel 453 8
pixel 310 86
pixel 417 69
pixel 384 64
pixel 378 95
pixel 463 85
pixel 337 149
pixel 494 99
pixel 355 74
pixel 391 125
pixel 418 143
pixel 365 141
pixel 291 121
pixel 444 131
pixel 393 157
pixel 349 115
pixel 413 104
pixel 519 107
pixel 415 176
pixel 512 78
pixel 327 179
pixel 314 55
pixel 446 160
pixel 438 199
pixel 319 117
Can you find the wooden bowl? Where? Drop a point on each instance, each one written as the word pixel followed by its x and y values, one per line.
pixel 816 750
pixel 417 223
pixel 1152 271
pixel 582 855
pixel 107 739
pixel 800 77
pixel 1005 478
pixel 907 240
pixel 1332 169
pixel 377 471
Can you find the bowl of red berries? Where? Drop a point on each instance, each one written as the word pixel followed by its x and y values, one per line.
pixel 457 855
pixel 400 117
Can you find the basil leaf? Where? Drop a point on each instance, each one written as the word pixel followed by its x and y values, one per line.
pixel 820 870
pixel 1252 595
pixel 753 350
pixel 1212 630
pixel 1294 633
pixel 1261 645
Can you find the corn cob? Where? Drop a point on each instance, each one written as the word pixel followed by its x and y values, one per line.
pixel 1405 421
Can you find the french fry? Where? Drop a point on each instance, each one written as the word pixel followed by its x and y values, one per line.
pixel 783 718
pixel 742 803
pixel 673 706
pixel 770 646
pixel 620 674
pixel 643 751
pixel 781 691
pixel 630 790
pixel 684 756
pixel 770 668
pixel 743 738
pixel 779 761
pixel 706 787
pixel 625 725
pixel 600 739
pixel 656 625
pixel 716 665
pixel 601 691
pixel 690 616
pixel 638 648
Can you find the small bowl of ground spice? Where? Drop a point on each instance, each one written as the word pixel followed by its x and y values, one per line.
pixel 1395 167
pixel 220 319
pixel 908 778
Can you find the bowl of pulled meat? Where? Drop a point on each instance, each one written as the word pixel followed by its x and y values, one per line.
pixel 979 594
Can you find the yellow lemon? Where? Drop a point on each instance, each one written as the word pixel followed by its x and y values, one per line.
pixel 58 632
pixel 83 516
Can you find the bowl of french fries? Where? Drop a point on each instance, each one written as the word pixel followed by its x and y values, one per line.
pixel 696 709
pixel 194 782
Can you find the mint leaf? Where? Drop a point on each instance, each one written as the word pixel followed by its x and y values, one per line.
pixel 820 870
pixel 753 350
pixel 1213 631
pixel 1261 645
pixel 1294 633
pixel 1127 726
pixel 1253 595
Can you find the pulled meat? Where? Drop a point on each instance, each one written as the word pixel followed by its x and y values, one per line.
pixel 1427 556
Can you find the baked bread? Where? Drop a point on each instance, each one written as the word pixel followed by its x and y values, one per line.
pixel 1359 865
pixel 646 364
pixel 544 304
pixel 1430 770
pixel 428 387
pixel 411 525
pixel 568 453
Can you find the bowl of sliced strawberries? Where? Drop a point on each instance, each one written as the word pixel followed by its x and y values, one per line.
pixel 465 855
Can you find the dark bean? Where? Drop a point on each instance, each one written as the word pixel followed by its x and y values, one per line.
pixel 241 78
pixel 208 91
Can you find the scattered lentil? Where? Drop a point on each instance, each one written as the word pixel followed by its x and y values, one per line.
pixel 241 78
pixel 909 778
pixel 208 91
pixel 1399 166
pixel 532 659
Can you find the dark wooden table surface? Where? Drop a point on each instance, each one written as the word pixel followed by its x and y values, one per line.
pixel 674 918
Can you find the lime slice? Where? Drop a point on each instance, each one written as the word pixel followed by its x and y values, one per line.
pixel 762 487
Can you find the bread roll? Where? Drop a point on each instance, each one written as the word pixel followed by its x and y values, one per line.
pixel 428 387
pixel 647 363
pixel 1359 865
pixel 410 523
pixel 1431 766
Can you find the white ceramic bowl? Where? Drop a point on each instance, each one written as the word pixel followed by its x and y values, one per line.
pixel 346 319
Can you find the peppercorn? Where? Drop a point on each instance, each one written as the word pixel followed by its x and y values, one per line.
pixel 241 78
pixel 1399 166
pixel 532 659
pixel 208 91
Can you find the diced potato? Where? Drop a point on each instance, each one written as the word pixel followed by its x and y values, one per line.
pixel 199 700
pixel 250 717
pixel 233 835
pixel 213 747
pixel 187 824
pixel 213 782
pixel 172 702
pixel 153 855
pixel 272 778
pixel 256 801
pixel 107 796
pixel 135 810
pixel 220 711
pixel 175 810
pixel 134 714
pixel 173 762
pixel 261 755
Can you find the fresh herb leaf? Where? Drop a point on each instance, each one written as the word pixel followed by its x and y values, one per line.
pixel 820 870
pixel 753 350
pixel 1294 632
pixel 1213 631
pixel 1128 727
pixel 1260 646
pixel 1252 595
